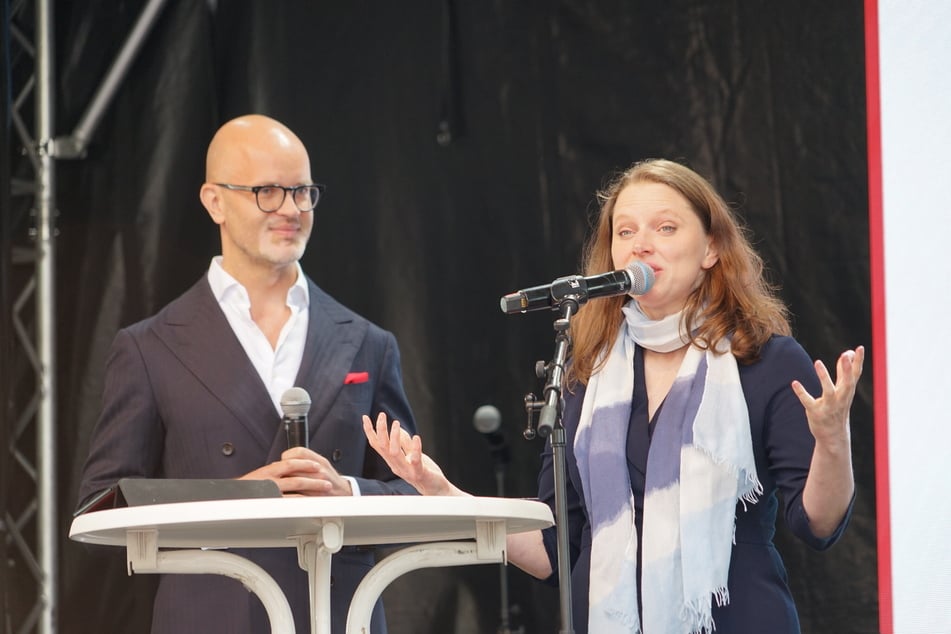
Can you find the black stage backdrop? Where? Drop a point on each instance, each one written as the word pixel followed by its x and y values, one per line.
pixel 462 143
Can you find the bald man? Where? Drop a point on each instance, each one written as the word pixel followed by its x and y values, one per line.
pixel 194 391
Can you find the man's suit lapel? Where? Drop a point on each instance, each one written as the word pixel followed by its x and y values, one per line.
pixel 197 332
pixel 333 339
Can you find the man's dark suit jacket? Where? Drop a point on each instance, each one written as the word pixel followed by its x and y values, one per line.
pixel 182 400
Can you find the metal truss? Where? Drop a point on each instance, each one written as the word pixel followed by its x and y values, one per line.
pixel 29 519
pixel 28 516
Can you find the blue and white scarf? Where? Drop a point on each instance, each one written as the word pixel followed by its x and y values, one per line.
pixel 699 466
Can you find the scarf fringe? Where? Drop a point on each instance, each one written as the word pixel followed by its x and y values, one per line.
pixel 754 487
pixel 697 614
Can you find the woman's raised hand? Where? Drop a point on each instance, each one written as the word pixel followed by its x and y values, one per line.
pixel 830 484
pixel 404 455
pixel 829 413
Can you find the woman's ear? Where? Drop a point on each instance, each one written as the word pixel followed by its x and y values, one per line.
pixel 712 255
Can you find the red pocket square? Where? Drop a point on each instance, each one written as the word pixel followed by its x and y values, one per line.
pixel 356 377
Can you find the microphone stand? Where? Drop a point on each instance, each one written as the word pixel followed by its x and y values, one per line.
pixel 549 423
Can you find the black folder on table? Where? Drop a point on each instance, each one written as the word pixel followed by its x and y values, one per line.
pixel 142 491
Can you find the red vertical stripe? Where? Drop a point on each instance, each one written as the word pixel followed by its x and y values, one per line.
pixel 878 357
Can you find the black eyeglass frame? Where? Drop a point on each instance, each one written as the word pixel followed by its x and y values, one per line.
pixel 293 190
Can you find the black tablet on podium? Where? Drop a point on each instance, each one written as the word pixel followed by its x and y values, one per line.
pixel 141 491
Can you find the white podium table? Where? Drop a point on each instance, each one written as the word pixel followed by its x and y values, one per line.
pixel 445 531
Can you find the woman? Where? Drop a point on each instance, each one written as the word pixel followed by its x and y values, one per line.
pixel 688 409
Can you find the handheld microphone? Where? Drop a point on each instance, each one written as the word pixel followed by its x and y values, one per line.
pixel 636 279
pixel 295 403
pixel 487 420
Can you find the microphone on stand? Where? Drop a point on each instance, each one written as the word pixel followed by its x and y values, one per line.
pixel 295 404
pixel 488 420
pixel 636 279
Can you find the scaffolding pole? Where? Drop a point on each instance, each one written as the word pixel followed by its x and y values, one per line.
pixel 45 320
pixel 35 355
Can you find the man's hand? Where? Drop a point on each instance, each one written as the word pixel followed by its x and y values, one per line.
pixel 302 471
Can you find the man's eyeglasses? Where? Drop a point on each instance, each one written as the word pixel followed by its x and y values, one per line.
pixel 270 197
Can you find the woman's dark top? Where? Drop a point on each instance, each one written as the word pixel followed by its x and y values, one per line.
pixel 760 600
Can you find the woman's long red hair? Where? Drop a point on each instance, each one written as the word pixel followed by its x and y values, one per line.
pixel 734 299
